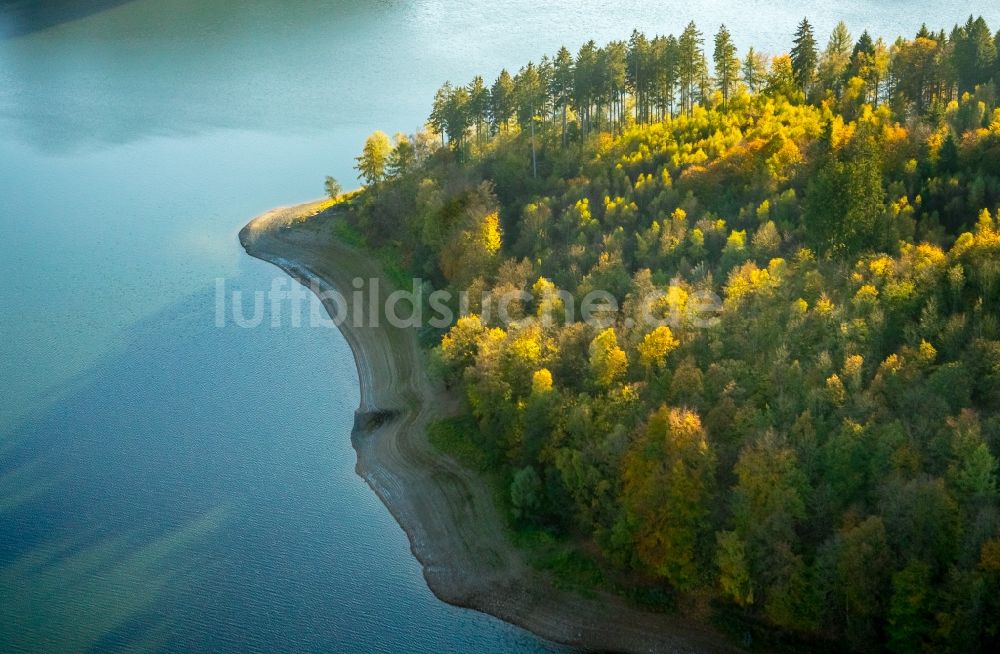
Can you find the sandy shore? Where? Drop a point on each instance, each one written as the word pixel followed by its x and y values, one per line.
pixel 447 512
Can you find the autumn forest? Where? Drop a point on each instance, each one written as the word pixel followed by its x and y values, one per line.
pixel 818 461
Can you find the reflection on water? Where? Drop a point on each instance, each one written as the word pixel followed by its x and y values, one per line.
pixel 196 492
pixel 75 595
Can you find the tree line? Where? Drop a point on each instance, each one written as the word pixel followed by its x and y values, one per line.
pixel 647 79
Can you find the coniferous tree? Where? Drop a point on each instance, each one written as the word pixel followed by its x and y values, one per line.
pixel 502 100
pixel 975 54
pixel 862 60
pixel 690 65
pixel 835 60
pixel 530 96
pixel 479 105
pixel 614 76
pixel 865 46
pixel 667 56
pixel 371 165
pixel 845 199
pixel 402 157
pixel 804 57
pixel 915 66
pixel 585 82
pixel 639 73
pixel 727 66
pixel 754 70
pixel 457 117
pixel 561 85
pixel 438 120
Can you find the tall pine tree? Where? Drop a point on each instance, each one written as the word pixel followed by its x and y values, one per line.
pixel 727 66
pixel 804 57
pixel 690 65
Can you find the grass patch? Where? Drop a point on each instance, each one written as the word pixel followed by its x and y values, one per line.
pixel 395 272
pixel 347 233
pixel 388 258
pixel 453 436
pixel 570 568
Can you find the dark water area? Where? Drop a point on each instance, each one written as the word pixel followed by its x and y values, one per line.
pixel 19 17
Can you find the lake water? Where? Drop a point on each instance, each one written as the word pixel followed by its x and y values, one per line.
pixel 167 484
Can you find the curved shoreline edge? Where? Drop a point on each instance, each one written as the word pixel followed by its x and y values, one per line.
pixel 447 511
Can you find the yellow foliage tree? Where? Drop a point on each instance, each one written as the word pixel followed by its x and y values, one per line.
pixel 459 345
pixel 607 360
pixel 490 233
pixel 655 347
pixel 541 381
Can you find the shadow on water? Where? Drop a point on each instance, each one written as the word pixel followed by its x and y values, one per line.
pixel 20 17
pixel 118 504
pixel 196 491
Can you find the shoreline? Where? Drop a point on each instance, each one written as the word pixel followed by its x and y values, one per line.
pixel 447 511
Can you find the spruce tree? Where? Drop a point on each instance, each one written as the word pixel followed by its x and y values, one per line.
pixel 804 57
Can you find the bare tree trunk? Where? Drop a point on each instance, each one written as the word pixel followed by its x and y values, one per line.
pixel 534 158
pixel 564 125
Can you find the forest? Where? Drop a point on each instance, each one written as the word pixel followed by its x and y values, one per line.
pixel 820 458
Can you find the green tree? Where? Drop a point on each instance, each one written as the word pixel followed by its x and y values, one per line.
pixel 727 66
pixel 865 47
pixel 530 97
pixel 639 73
pixel 526 494
pixel 975 54
pixel 403 156
pixel 915 69
pixel 972 471
pixel 768 501
pixel 664 84
pixel 438 120
pixel 804 57
pixel 668 483
pixel 457 117
pixel 754 70
pixel 614 64
pixel 586 82
pixel 479 105
pixel 862 567
pixel 691 66
pixel 845 201
pixel 734 572
pixel 911 619
pixel 502 102
pixel 836 59
pixel 333 188
pixel 562 85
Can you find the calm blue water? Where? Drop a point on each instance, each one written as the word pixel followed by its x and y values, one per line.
pixel 166 484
